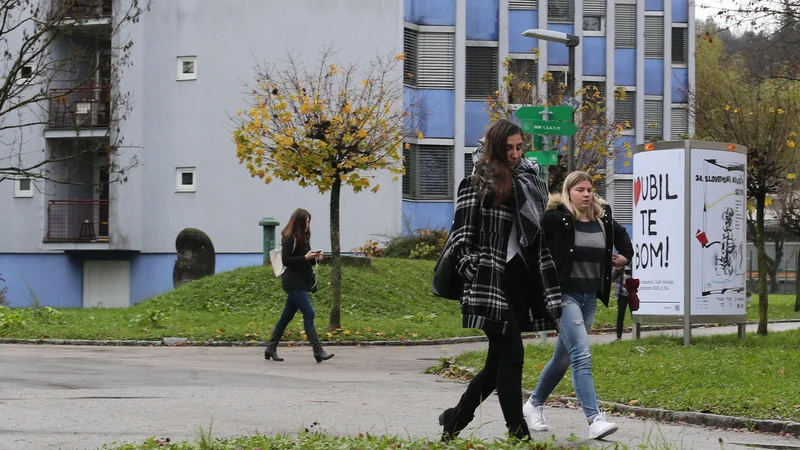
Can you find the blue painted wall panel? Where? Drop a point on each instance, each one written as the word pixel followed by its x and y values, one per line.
pixel 654 5
pixel 625 66
pixel 428 215
pixel 653 76
pixel 519 21
pixel 476 120
pixel 55 279
pixel 680 84
pixel 558 54
pixel 622 157
pixel 438 112
pixel 594 56
pixel 427 12
pixel 680 11
pixel 482 20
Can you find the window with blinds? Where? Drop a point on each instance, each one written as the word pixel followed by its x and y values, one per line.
pixel 679 123
pixel 600 187
pixel 523 4
pixel 556 87
pixel 410 50
pixel 481 72
pixel 625 110
pixel 654 37
pixel 523 84
pixel 622 191
pixel 653 119
pixel 594 8
pixel 594 91
pixel 468 164
pixel 680 45
pixel 429 172
pixel 559 11
pixel 436 61
pixel 625 26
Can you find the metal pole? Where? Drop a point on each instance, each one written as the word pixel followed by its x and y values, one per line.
pixel 571 93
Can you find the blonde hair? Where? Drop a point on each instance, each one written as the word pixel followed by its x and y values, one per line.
pixel 596 210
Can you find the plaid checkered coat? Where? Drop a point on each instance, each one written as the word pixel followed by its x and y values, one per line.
pixel 480 240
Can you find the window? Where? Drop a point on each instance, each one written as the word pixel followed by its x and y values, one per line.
pixel 559 11
pixel 653 120
pixel 430 59
pixel 410 39
pixel 594 8
pixel 594 92
pixel 600 187
pixel 186 179
pixel 654 37
pixel 522 4
pixel 187 68
pixel 625 26
pixel 481 72
pixel 679 122
pixel 680 45
pixel 556 87
pixel 523 84
pixel 468 164
pixel 622 190
pixel 429 172
pixel 625 110
pixel 23 188
pixel 25 74
pixel 594 24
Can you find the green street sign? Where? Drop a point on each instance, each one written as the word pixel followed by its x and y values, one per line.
pixel 549 128
pixel 561 113
pixel 544 158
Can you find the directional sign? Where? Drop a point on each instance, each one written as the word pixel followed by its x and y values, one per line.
pixel 543 158
pixel 549 128
pixel 563 113
pixel 572 103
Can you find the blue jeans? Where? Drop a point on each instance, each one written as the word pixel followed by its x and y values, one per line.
pixel 297 300
pixel 577 316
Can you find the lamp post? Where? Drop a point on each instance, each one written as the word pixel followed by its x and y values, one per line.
pixel 571 41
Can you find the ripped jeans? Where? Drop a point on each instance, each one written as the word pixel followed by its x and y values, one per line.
pixel 577 316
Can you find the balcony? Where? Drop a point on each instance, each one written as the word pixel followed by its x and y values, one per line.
pixel 77 221
pixel 83 9
pixel 79 108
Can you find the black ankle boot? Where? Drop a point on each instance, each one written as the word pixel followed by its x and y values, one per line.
pixel 520 431
pixel 272 345
pixel 452 423
pixel 319 353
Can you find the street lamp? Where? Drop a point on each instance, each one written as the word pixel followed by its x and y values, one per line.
pixel 571 41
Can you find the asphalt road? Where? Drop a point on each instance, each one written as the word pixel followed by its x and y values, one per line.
pixel 67 397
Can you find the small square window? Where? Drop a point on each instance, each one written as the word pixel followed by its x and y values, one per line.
pixel 23 188
pixel 594 24
pixel 187 68
pixel 25 74
pixel 186 180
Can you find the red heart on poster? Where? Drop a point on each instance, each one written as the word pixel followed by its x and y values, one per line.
pixel 637 191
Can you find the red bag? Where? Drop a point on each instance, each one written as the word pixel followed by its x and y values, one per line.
pixel 632 286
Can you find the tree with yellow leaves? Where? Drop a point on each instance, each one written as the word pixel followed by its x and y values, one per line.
pixel 730 104
pixel 596 139
pixel 328 126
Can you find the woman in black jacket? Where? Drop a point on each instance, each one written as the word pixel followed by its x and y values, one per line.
pixel 581 232
pixel 510 283
pixel 298 280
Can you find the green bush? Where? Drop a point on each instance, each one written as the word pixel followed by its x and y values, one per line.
pixel 419 244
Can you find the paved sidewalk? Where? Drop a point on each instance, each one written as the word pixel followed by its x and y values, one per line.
pixel 83 397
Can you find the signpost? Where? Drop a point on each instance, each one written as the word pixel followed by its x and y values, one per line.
pixel 544 158
pixel 544 121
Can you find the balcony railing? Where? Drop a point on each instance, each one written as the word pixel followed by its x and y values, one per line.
pixel 77 221
pixel 83 9
pixel 80 108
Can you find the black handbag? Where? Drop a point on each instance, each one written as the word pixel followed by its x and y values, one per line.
pixel 447 282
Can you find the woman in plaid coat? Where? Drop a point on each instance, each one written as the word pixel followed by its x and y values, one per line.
pixel 510 280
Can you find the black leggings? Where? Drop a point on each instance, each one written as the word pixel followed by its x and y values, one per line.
pixel 622 305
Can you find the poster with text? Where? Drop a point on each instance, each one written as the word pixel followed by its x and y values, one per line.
pixel 718 222
pixel 658 230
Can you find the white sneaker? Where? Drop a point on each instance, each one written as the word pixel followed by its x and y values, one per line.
pixel 534 415
pixel 601 427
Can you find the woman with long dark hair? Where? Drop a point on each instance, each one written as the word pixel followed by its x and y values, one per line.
pixel 510 283
pixel 298 280
pixel 580 229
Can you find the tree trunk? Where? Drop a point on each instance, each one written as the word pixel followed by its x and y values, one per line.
pixel 797 284
pixel 763 296
pixel 775 264
pixel 336 263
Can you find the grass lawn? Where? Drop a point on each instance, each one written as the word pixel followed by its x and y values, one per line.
pixel 757 378
pixel 389 301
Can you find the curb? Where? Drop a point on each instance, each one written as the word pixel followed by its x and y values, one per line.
pixel 697 418
pixel 184 342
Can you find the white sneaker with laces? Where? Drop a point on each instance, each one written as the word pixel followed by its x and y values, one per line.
pixel 534 415
pixel 601 427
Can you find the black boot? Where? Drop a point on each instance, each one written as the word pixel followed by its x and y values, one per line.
pixel 452 423
pixel 319 353
pixel 272 345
